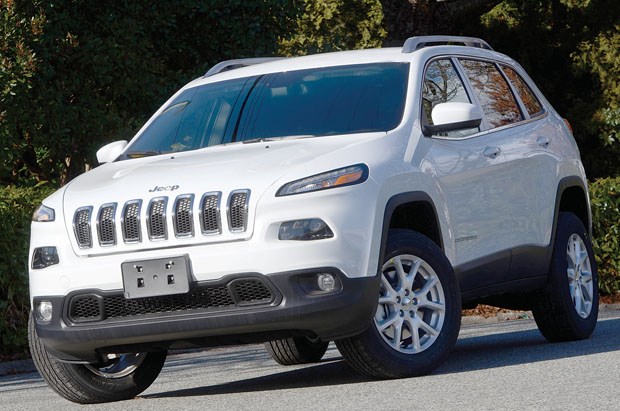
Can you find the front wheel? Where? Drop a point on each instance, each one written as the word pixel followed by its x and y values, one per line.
pixel 418 314
pixel 121 377
pixel 567 309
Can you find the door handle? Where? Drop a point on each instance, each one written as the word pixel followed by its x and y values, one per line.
pixel 543 141
pixel 491 152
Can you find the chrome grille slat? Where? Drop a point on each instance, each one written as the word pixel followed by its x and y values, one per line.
pixel 81 227
pixel 106 226
pixel 238 210
pixel 156 218
pixel 130 221
pixel 183 216
pixel 210 221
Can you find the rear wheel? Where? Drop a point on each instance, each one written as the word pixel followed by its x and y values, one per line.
pixel 418 314
pixel 567 309
pixel 121 377
pixel 300 350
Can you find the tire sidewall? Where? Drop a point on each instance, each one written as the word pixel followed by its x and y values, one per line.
pixel 119 388
pixel 569 224
pixel 402 365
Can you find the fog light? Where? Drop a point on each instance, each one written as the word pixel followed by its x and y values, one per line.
pixel 44 257
pixel 326 282
pixel 43 311
pixel 304 230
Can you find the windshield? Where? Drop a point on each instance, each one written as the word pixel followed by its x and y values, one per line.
pixel 313 102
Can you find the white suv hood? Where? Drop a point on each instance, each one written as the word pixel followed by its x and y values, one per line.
pixel 221 169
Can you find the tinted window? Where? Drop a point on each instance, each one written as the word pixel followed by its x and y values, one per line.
pixel 198 117
pixel 316 102
pixel 496 99
pixel 531 103
pixel 442 84
pixel 326 101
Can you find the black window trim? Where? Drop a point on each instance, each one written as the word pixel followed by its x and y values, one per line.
pixel 484 125
pixel 468 91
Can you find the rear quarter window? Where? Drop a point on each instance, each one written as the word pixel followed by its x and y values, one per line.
pixel 527 96
pixel 496 99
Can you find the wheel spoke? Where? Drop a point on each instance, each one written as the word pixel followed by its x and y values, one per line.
pixel 415 335
pixel 578 298
pixel 402 275
pixel 571 252
pixel 398 334
pixel 429 330
pixel 389 290
pixel 388 322
pixel 413 273
pixel 571 274
pixel 586 276
pixel 387 300
pixel 432 305
pixel 585 294
pixel 430 283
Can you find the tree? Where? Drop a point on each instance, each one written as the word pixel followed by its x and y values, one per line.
pixel 330 25
pixel 570 48
pixel 77 74
pixel 406 18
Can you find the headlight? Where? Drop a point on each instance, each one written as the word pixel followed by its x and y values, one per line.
pixel 336 178
pixel 43 214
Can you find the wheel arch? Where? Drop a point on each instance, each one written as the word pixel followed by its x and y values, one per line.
pixel 413 211
pixel 572 196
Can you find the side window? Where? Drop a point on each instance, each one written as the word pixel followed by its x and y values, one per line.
pixel 442 84
pixel 531 103
pixel 496 99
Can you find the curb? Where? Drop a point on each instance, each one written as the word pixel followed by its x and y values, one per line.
pixel 17 367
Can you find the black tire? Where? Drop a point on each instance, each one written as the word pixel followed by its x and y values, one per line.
pixel 80 384
pixel 567 310
pixel 300 350
pixel 378 354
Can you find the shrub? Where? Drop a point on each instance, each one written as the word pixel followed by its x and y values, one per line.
pixel 605 200
pixel 16 207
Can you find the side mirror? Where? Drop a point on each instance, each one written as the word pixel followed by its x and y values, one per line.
pixel 453 116
pixel 109 152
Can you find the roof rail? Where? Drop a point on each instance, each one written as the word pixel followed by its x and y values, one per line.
pixel 415 43
pixel 238 63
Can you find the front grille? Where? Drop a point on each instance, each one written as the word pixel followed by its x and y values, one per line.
pixel 130 221
pixel 210 222
pixel 237 293
pixel 251 291
pixel 81 226
pixel 105 225
pixel 87 308
pixel 238 210
pixel 156 219
pixel 185 216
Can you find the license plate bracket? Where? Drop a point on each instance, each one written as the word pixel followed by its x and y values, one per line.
pixel 156 277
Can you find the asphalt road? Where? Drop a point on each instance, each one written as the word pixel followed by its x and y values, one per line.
pixel 502 366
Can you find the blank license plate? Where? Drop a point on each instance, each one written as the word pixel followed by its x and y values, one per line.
pixel 150 278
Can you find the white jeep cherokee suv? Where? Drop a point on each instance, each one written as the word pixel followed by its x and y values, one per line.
pixel 362 197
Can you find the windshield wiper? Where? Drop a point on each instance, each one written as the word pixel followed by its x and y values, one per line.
pixel 140 154
pixel 266 139
pixel 259 140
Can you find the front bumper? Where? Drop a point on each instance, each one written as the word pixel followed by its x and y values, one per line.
pixel 290 307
